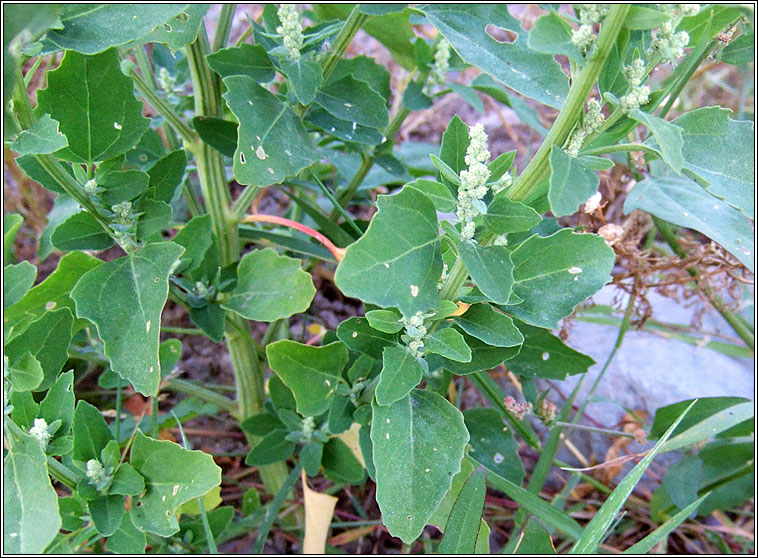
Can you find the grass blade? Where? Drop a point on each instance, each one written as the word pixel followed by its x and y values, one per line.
pixel 646 544
pixel 273 508
pixel 462 527
pixel 596 529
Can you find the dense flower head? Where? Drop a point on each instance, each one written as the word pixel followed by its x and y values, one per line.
pixel 638 94
pixel 415 331
pixel 291 29
pixel 440 67
pixel 473 186
pixel 41 431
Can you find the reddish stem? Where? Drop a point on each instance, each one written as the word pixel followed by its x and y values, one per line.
pixel 338 253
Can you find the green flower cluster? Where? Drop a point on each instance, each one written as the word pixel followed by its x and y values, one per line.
pixel 592 121
pixel 584 35
pixel 440 68
pixel 291 29
pixel 473 186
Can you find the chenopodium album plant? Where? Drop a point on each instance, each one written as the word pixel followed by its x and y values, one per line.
pixel 459 270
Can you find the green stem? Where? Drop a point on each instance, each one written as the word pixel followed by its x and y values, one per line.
pixel 621 148
pixel 188 388
pixel 525 188
pixel 336 204
pixel 737 323
pixel 61 473
pixel 224 25
pixel 248 376
pixel 243 201
pixel 353 23
pixel 189 136
pixel 146 69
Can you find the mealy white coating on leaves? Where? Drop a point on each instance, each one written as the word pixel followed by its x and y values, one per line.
pixel 291 29
pixel 473 186
pixel 440 67
pixel 41 431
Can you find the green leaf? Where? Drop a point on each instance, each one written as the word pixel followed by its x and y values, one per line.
pixel 273 448
pixel 487 324
pixel 532 74
pixel 53 292
pixel 24 409
pixel 506 216
pixel 354 101
pixel 711 426
pixel 244 60
pixel 719 151
pixel 173 475
pixel 166 176
pixel 42 138
pixel 220 134
pixel 11 223
pixel 551 34
pixel 490 267
pixel 572 182
pixel 365 69
pixel 682 202
pixel 441 514
pixel 310 458
pixel 464 521
pixel 251 501
pixel 122 186
pixel 483 538
pixel 646 544
pixel 100 121
pixel 34 170
pixel 26 373
pixel 156 216
pixel 468 94
pixel 47 340
pixel 343 129
pixel 91 432
pixel 127 481
pixel 555 273
pixel 398 261
pixel 181 30
pixel 305 77
pixel 703 408
pixel 418 445
pixel 545 356
pixel 534 540
pixel 267 133
pixel 93 28
pixel 107 512
pixel 127 539
pixel 197 238
pixel 124 299
pixel 312 373
pixel 30 504
pixel 667 136
pixel 340 463
pixel 360 337
pixel 643 18
pixel 448 343
pixel 455 141
pixel 483 357
pixel 58 403
pixel 17 280
pixel 270 287
pixel 709 22
pixel 81 231
pixel 387 321
pixel 740 50
pixel 597 528
pixel 401 372
pixel 440 195
pixel 493 444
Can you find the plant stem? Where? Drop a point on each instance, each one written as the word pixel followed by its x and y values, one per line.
pixel 738 324
pixel 224 25
pixel 338 253
pixel 188 388
pixel 243 201
pixel 525 188
pixel 247 374
pixel 61 473
pixel 621 148
pixel 146 68
pixel 353 23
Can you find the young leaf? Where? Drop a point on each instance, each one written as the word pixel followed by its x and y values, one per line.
pixel 483 357
pixel 490 267
pixel 244 60
pixel 493 445
pixel 551 34
pixel 42 138
pixel 401 372
pixel 398 261
pixel 572 182
pixel 121 186
pixel 667 136
pixel 682 202
pixel 440 195
pixel 387 321
pixel 361 338
pixel 273 448
pixel 340 463
pixel 464 521
pixel 81 231
pixel 30 504
pixel 267 135
pixel 166 176
pixel 449 344
pixel 100 121
pixel 312 373
pixel 91 432
pixel 58 403
pixel 596 530
pixel 220 134
pixel 545 356
pixel 91 29
pixel 555 273
pixel 506 216
pixel 124 299
pixel 532 74
pixel 127 539
pixel 354 101
pixel 270 287
pixel 17 280
pixel 107 512
pixel 418 445
pixel 487 324
pixel 173 475
pixel 26 373
pixel 305 77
